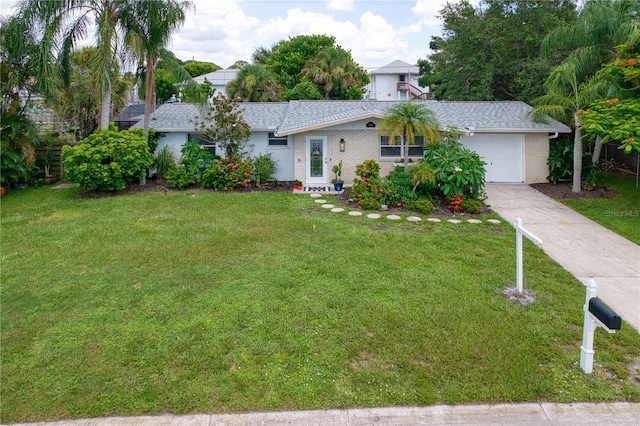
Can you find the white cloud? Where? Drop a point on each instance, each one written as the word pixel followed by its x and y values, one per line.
pixel 340 5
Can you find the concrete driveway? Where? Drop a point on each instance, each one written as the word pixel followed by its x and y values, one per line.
pixel 581 246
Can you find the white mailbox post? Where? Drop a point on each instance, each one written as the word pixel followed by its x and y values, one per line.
pixel 520 231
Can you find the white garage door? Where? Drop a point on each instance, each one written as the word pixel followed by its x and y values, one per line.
pixel 504 155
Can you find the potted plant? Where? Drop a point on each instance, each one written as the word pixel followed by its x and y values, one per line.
pixel 337 182
pixel 297 185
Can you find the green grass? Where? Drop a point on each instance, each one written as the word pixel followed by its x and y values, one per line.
pixel 621 213
pixel 209 302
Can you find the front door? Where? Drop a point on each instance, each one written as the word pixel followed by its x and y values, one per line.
pixel 316 156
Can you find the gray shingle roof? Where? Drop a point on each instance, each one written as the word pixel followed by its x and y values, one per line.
pixel 396 67
pixel 300 116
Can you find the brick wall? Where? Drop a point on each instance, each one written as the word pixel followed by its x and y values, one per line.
pixel 536 146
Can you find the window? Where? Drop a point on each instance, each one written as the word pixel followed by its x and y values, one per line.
pixel 209 146
pixel 397 150
pixel 278 140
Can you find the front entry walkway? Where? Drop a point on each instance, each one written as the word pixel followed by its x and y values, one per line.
pixel 581 246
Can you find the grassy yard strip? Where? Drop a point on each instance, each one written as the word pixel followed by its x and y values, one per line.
pixel 621 214
pixel 210 302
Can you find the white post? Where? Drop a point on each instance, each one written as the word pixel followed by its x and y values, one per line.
pixel 586 350
pixel 518 256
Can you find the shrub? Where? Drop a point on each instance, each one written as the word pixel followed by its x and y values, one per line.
pixel 180 178
pixel 367 189
pixel 228 174
pixel 164 162
pixel 108 160
pixel 195 159
pixel 457 169
pixel 265 167
pixel 424 206
pixel 471 206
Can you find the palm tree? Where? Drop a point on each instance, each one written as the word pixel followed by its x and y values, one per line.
pixel 564 99
pixel 334 70
pixel 255 83
pixel 149 26
pixel 601 26
pixel 63 23
pixel 408 120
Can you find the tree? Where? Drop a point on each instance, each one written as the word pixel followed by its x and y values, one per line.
pixel 492 52
pixel 564 100
pixel 221 123
pixel 63 24
pixel 255 83
pixel 197 68
pixel 149 26
pixel 408 120
pixel 335 72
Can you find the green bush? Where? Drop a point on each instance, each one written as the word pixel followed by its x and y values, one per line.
pixel 180 178
pixel 424 206
pixel 108 160
pixel 164 162
pixel 196 159
pixel 228 174
pixel 457 169
pixel 265 167
pixel 471 206
pixel 367 188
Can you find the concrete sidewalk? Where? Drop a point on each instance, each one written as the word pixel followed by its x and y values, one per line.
pixel 580 245
pixel 618 413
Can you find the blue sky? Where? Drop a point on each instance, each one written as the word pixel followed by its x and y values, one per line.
pixel 375 31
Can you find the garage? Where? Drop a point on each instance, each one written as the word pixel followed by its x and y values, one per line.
pixel 503 153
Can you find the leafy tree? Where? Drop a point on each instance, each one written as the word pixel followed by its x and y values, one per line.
pixel 304 90
pixel 288 57
pixel 408 119
pixel 255 83
pixel 149 26
pixel 62 24
pixel 492 52
pixel 221 123
pixel 197 68
pixel 335 72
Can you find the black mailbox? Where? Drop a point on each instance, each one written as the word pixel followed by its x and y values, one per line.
pixel 606 316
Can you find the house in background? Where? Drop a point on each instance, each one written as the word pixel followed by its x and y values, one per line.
pixel 129 116
pixel 397 80
pixel 219 79
pixel 307 138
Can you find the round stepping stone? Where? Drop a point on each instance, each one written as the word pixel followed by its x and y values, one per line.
pixel 355 213
pixel 393 217
pixel 433 219
pixel 373 216
pixel 474 221
pixel 414 219
pixel 337 209
pixel 493 221
pixel 328 206
pixel 321 201
pixel 453 221
pixel 316 195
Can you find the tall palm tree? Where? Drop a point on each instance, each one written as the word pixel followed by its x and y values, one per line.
pixel 62 24
pixel 255 83
pixel 408 120
pixel 564 99
pixel 149 25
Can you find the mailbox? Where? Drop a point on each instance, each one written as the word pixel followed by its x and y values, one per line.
pixel 606 316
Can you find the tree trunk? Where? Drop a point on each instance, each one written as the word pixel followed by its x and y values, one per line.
pixel 577 157
pixel 597 149
pixel 105 109
pixel 149 94
pixel 406 153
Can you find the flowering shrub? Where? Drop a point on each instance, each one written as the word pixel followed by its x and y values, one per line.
pixel 457 169
pixel 227 174
pixel 455 203
pixel 367 189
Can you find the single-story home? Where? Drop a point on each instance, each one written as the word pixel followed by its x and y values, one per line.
pixel 307 138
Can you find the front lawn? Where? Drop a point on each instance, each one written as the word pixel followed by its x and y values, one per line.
pixel 199 301
pixel 621 213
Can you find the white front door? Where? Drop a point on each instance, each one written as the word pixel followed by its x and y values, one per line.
pixel 316 160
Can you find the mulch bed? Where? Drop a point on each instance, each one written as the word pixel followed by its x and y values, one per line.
pixel 562 191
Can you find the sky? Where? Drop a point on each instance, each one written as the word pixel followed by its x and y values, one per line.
pixel 375 31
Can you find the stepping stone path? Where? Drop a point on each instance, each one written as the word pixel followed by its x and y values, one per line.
pixel 356 213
